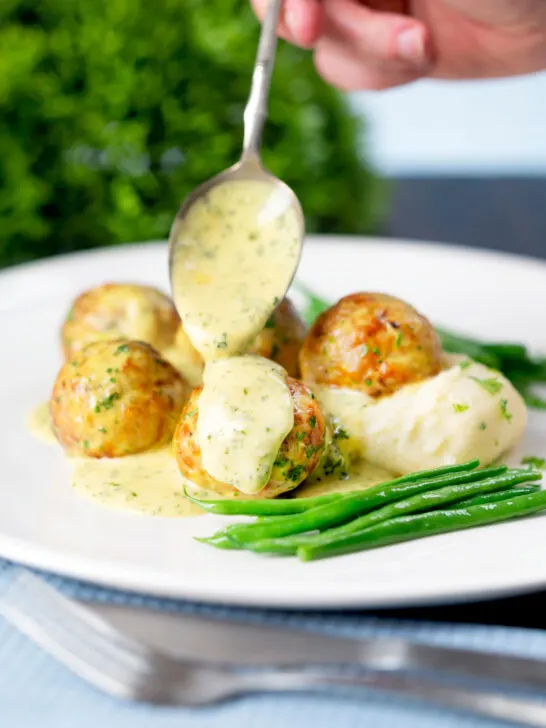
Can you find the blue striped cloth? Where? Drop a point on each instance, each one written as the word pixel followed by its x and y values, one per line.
pixel 38 692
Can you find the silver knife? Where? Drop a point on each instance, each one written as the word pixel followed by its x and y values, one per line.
pixel 236 643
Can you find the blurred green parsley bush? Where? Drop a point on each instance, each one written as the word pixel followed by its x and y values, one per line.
pixel 111 111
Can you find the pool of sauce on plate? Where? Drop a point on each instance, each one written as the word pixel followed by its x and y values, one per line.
pixel 148 482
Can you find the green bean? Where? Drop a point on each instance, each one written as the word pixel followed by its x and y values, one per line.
pixel 420 502
pixel 333 514
pixel 473 349
pixel 500 495
pixel 289 506
pixel 505 350
pixel 265 507
pixel 406 528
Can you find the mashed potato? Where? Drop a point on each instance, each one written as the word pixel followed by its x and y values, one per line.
pixel 467 411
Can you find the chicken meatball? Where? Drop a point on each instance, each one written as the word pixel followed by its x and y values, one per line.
pixel 298 456
pixel 281 338
pixel 120 310
pixel 115 398
pixel 371 342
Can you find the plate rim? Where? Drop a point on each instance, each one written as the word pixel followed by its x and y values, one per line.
pixel 311 239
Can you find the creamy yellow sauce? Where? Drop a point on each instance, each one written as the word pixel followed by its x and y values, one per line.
pixel 245 412
pixel 362 475
pixel 184 360
pixel 148 483
pixel 39 423
pixel 237 250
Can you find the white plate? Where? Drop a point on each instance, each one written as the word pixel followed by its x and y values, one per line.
pixel 45 524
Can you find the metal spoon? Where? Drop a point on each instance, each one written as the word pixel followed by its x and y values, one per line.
pixel 250 165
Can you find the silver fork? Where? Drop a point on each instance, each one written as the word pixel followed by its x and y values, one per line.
pixel 119 666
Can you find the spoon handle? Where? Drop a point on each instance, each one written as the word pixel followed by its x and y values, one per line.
pixel 256 108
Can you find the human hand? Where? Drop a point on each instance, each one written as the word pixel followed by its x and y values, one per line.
pixel 383 43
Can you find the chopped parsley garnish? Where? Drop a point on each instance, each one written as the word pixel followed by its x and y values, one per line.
pixel 399 339
pixel 295 473
pixel 331 464
pixel 75 364
pixel 375 351
pixel 107 403
pixel 340 434
pixel 466 363
pixel 86 444
pixel 310 450
pixel 313 421
pixel 368 382
pixel 504 410
pixel 270 323
pixel 103 429
pixel 245 390
pixel 534 462
pixel 460 407
pixel 483 425
pixel 122 349
pixel 300 436
pixel 275 300
pixel 192 413
pixel 280 460
pixel 492 385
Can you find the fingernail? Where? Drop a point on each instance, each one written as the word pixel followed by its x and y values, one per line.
pixel 410 45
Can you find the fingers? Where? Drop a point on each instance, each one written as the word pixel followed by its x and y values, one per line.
pixel 301 20
pixel 342 67
pixel 366 49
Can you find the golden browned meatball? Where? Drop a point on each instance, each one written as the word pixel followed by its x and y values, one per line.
pixel 120 310
pixel 115 398
pixel 298 456
pixel 371 342
pixel 281 338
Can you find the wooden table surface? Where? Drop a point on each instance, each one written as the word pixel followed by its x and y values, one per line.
pixel 499 214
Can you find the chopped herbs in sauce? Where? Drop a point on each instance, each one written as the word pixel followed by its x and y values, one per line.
pixel 295 473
